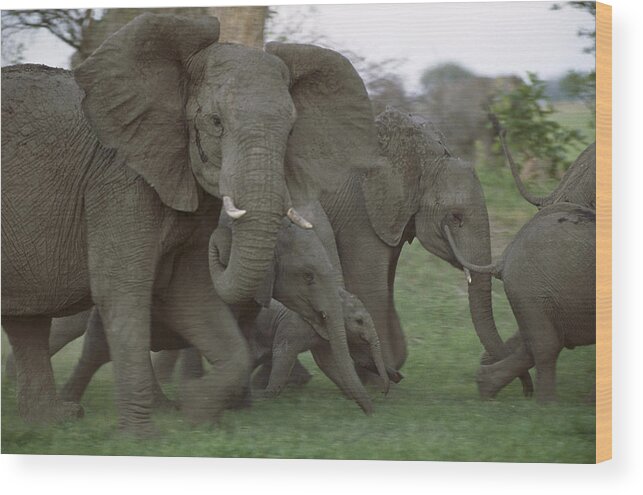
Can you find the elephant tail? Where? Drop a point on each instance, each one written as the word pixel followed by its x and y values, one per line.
pixel 537 201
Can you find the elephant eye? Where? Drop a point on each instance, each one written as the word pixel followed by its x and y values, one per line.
pixel 359 321
pixel 456 219
pixel 216 120
pixel 309 277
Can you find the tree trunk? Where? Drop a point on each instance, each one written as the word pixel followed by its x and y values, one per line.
pixel 242 25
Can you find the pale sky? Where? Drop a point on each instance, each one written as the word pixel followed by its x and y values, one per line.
pixel 489 38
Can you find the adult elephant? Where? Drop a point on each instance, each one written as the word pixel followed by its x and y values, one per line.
pixel 420 188
pixel 113 178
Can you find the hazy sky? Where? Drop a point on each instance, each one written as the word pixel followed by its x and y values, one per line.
pixel 489 38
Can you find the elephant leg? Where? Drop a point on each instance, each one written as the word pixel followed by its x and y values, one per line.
pixel 36 391
pixel 66 330
pixel 62 332
pixel 544 343
pixel 191 363
pixel 191 308
pixel 546 374
pixel 122 270
pixel 95 353
pixel 10 367
pixel 163 363
pixel 492 378
pixel 284 357
pixel 299 375
pixel 261 377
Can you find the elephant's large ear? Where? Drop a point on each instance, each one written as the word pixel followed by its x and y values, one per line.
pixel 392 191
pixel 334 132
pixel 390 201
pixel 134 87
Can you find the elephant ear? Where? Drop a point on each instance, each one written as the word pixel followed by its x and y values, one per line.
pixel 408 144
pixel 135 96
pixel 390 201
pixel 334 132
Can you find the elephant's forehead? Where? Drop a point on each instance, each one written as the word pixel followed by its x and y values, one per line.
pixel 244 62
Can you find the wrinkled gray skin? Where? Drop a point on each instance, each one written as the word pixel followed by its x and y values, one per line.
pixel 420 187
pixel 279 335
pixel 302 277
pixel 112 181
pixel 306 278
pixel 549 277
pixel 577 186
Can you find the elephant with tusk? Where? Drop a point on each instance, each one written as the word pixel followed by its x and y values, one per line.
pixel 304 278
pixel 113 180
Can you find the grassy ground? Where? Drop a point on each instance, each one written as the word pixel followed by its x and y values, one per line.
pixel 433 414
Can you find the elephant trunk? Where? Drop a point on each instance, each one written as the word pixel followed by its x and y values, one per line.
pixel 352 385
pixel 258 187
pixel 376 354
pixel 481 309
pixel 480 303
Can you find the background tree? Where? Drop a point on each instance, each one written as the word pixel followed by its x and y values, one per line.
pixel 456 98
pixel 86 29
pixel 540 142
pixel 577 84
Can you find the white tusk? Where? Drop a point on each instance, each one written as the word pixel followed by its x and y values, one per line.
pixel 231 209
pixel 298 220
pixel 467 273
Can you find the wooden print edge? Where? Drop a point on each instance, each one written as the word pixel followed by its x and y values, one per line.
pixel 604 232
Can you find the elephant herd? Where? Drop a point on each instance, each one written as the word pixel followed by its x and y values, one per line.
pixel 173 192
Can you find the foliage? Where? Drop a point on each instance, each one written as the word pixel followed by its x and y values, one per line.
pixel 582 85
pixel 67 25
pixel 442 74
pixel 526 113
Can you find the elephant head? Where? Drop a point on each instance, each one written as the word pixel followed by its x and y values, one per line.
pixel 424 188
pixel 363 341
pixel 253 128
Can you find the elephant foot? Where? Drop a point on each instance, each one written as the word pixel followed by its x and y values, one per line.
pixel 261 377
pixel 71 394
pixel 267 393
pixel 243 402
pixel 197 405
pixel 142 430
pixel 486 386
pixel 299 377
pixel 59 412
pixel 10 368
pixel 161 402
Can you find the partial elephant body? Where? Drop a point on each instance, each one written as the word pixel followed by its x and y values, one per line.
pixel 279 335
pixel 418 188
pixel 113 180
pixel 73 236
pixel 578 185
pixel 548 272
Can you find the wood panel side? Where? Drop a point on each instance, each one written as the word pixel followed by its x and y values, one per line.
pixel 603 232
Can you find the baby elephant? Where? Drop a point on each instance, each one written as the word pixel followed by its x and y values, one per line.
pixel 279 335
pixel 549 277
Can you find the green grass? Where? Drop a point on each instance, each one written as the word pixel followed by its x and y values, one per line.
pixel 433 414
